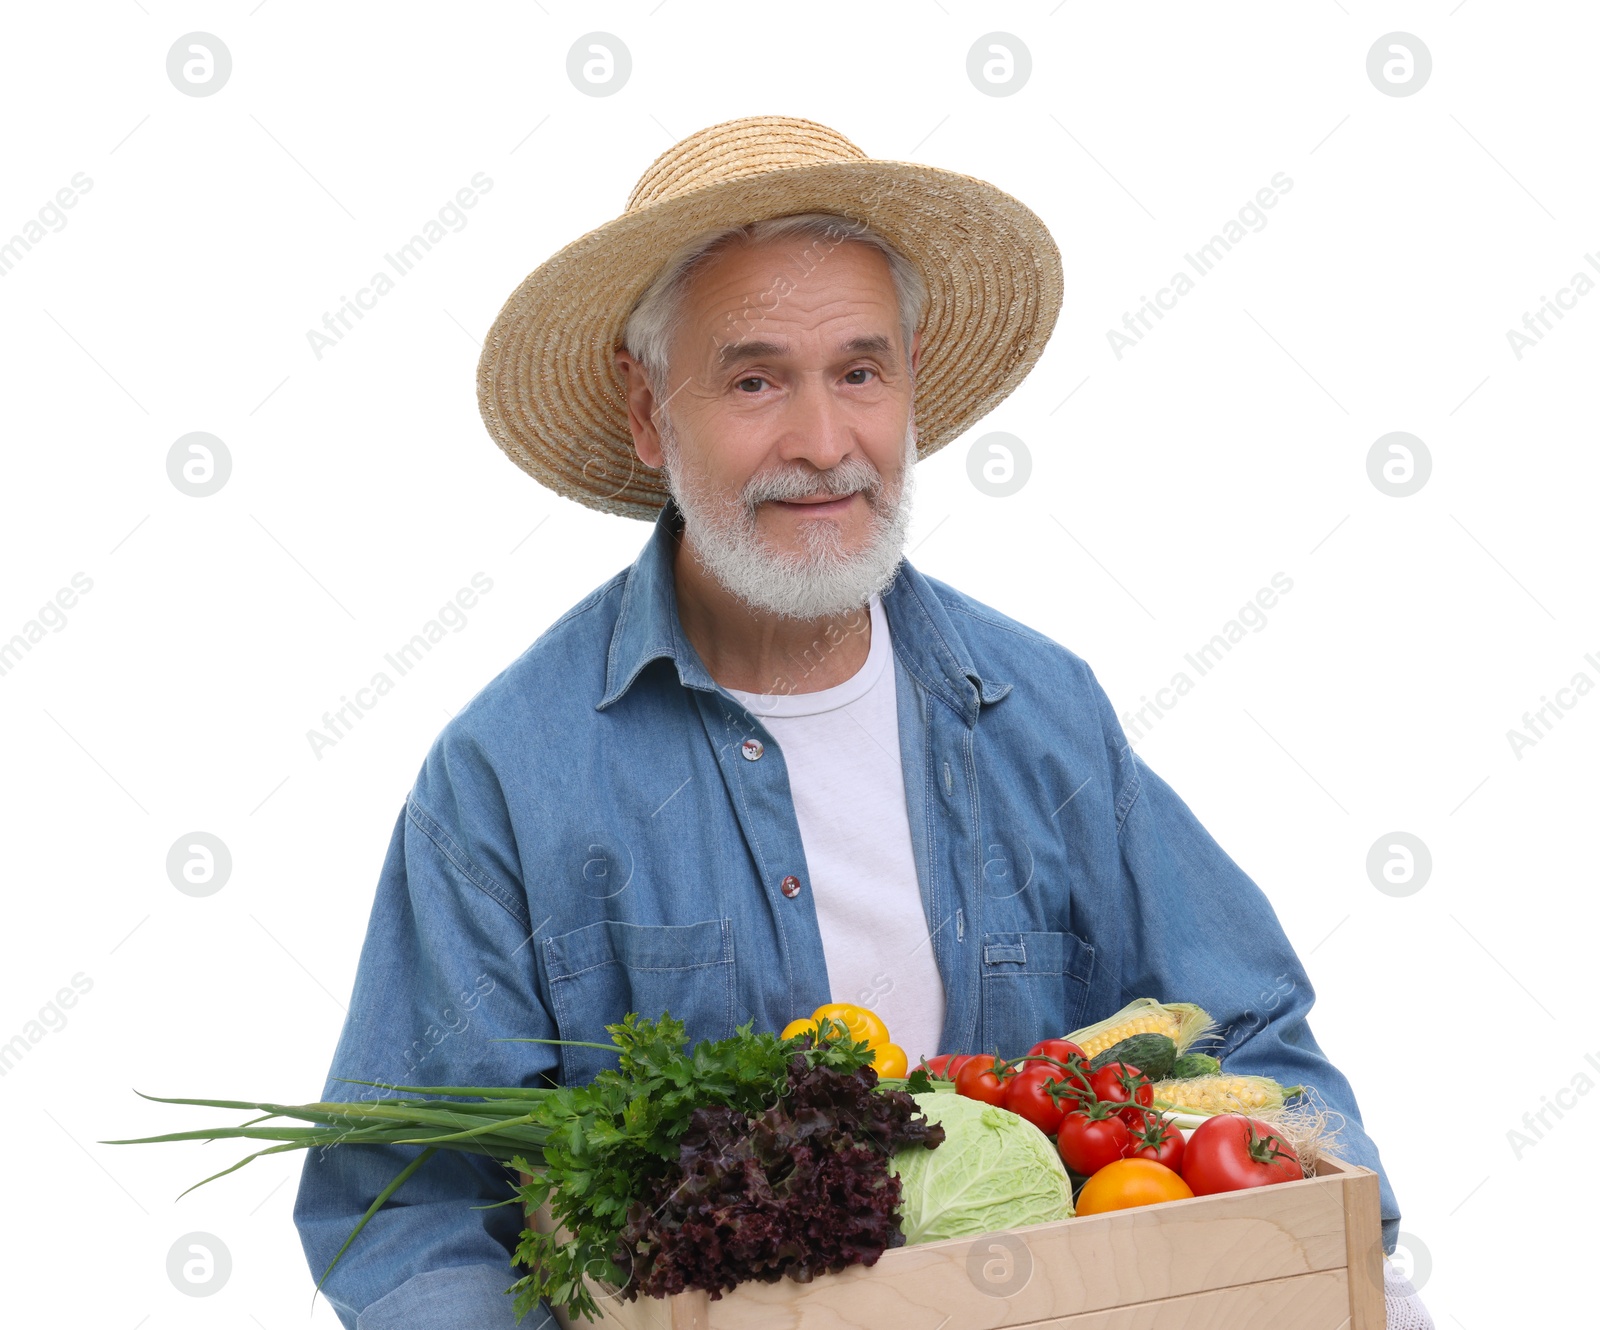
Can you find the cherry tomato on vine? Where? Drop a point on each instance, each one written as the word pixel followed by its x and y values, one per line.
pixel 1088 1141
pixel 1028 1097
pixel 1121 1083
pixel 1059 1049
pixel 1160 1141
pixel 946 1065
pixel 984 1079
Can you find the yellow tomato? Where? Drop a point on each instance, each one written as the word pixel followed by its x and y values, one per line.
pixel 889 1060
pixel 1125 1183
pixel 864 1026
pixel 797 1027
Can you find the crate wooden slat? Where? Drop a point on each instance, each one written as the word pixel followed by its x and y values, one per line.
pixel 1306 1302
pixel 1303 1253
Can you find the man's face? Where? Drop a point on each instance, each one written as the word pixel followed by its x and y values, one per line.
pixel 787 431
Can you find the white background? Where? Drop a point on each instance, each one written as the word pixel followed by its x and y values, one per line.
pixel 1229 445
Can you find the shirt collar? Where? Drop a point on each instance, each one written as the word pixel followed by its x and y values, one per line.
pixel 647 628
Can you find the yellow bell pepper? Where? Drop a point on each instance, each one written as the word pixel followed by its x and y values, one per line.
pixel 889 1060
pixel 865 1026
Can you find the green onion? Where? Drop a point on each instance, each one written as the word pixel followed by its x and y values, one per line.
pixel 501 1126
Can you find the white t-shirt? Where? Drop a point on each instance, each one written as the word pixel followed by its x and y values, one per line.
pixel 842 749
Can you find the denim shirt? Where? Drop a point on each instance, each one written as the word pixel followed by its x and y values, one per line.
pixel 590 836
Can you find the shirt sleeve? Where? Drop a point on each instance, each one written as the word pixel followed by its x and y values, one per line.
pixel 1183 922
pixel 445 969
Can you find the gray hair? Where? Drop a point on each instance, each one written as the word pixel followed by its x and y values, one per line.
pixel 648 332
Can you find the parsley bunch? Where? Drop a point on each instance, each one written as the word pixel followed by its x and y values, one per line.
pixel 749 1157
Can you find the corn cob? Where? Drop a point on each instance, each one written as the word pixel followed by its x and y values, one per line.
pixel 1181 1022
pixel 1206 1095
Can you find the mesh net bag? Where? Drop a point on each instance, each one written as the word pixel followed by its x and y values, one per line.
pixel 1403 1308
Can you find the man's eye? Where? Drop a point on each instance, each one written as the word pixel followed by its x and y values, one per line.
pixel 752 379
pixel 860 369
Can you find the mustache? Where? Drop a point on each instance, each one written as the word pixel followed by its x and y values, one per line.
pixel 850 475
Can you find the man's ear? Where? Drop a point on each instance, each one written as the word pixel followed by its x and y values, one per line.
pixel 916 352
pixel 641 408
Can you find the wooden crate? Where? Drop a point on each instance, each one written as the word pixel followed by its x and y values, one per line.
pixel 1294 1256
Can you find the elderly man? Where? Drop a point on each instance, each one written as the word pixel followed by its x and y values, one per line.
pixel 770 764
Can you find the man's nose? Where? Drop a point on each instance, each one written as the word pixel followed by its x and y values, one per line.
pixel 817 428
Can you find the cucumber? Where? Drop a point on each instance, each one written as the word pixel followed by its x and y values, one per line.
pixel 1191 1065
pixel 1153 1054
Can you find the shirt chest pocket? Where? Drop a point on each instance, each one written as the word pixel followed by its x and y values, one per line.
pixel 599 973
pixel 1035 986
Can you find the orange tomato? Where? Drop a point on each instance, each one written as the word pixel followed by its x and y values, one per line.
pixel 889 1060
pixel 865 1026
pixel 797 1027
pixel 1125 1183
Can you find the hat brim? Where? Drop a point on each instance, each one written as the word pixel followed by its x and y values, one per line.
pixel 550 394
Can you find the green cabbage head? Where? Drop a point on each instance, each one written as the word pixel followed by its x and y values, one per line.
pixel 994 1171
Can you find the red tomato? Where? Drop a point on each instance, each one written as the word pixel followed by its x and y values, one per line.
pixel 1027 1097
pixel 1160 1141
pixel 1231 1152
pixel 1088 1143
pixel 946 1065
pixel 982 1079
pixel 1059 1049
pixel 1075 1072
pixel 1120 1083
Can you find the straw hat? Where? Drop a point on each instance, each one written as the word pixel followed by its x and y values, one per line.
pixel 551 396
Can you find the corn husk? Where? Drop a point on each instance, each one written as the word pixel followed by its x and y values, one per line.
pixel 1181 1022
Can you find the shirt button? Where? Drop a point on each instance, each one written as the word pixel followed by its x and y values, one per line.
pixel 752 749
pixel 791 886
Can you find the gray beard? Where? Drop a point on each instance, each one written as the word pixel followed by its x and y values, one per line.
pixel 818 581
